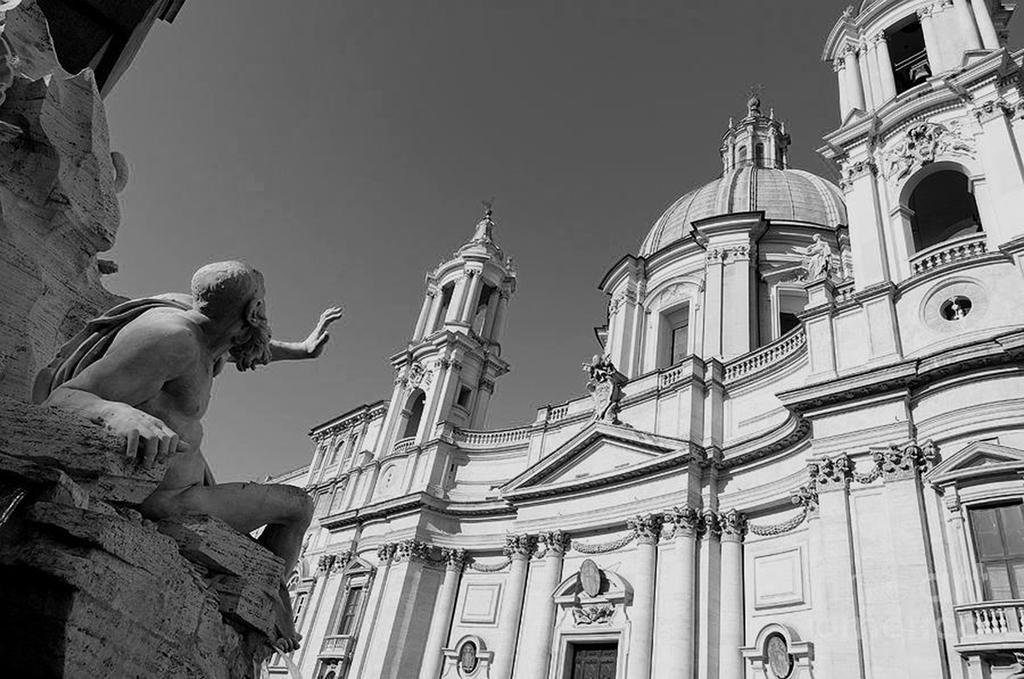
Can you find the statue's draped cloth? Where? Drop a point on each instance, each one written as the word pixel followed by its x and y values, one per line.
pixel 92 342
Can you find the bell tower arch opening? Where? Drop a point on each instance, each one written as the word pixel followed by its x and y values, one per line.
pixel 942 207
pixel 908 54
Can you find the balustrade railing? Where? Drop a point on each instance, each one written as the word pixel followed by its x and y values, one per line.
pixel 947 252
pixel 766 356
pixel 992 621
pixel 491 439
pixel 402 445
pixel 337 646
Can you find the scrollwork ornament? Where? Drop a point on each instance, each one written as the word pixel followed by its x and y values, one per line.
pixel 923 143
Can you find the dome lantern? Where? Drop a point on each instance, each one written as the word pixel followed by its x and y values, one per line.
pixel 757 140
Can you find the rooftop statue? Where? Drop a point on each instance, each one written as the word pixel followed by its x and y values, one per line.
pixel 145 371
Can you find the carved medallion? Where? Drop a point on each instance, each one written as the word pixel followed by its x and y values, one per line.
pixel 590 578
pixel 467 657
pixel 779 660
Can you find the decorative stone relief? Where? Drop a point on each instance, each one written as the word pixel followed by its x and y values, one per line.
pixel 686 520
pixel 385 552
pixel 922 144
pixel 411 550
pixel 332 563
pixel 583 616
pixel 854 171
pixel 710 527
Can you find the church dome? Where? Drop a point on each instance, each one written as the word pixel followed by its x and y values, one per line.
pixel 783 194
pixel 756 178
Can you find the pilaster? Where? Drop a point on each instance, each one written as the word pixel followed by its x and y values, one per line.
pixel 647 530
pixel 734 528
pixel 518 548
pixel 534 656
pixel 709 601
pixel 440 622
pixel 676 628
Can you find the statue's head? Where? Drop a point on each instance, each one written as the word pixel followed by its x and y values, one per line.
pixel 232 293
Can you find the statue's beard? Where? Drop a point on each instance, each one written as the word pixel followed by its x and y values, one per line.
pixel 254 349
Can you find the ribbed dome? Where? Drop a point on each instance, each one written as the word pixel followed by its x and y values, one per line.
pixel 790 195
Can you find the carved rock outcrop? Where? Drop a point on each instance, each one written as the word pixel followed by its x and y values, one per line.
pixel 58 199
pixel 91 589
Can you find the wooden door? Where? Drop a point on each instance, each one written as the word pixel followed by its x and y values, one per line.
pixel 594 661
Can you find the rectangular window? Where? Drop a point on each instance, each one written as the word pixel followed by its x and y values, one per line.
pixel 998 533
pixel 350 614
pixel 680 334
pixel 673 336
pixel 465 394
pixel 791 305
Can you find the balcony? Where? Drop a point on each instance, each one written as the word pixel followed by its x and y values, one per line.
pixel 767 357
pixel 337 646
pixel 947 252
pixel 991 624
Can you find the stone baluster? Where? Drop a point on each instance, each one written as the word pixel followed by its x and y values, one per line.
pixel 440 622
pixel 647 529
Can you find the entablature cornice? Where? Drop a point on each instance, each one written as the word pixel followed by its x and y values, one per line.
pixel 783 438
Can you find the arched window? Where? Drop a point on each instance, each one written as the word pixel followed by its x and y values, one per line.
pixel 759 155
pixel 741 155
pixel 943 207
pixel 414 414
pixel 674 336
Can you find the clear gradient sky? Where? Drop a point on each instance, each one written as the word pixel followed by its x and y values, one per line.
pixel 344 147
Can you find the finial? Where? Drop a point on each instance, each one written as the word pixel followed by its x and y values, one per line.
pixel 488 208
pixel 484 226
pixel 754 99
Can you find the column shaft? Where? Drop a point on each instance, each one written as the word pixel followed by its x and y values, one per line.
pixel 730 663
pixel 519 550
pixel 987 29
pixel 854 84
pixel 440 622
pixel 534 655
pixel 888 77
pixel 499 318
pixel 839 66
pixel 421 321
pixel 472 297
pixel 931 40
pixel 968 28
pixel 647 529
pixel 455 305
pixel 676 626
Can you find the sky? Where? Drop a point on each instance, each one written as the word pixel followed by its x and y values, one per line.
pixel 344 147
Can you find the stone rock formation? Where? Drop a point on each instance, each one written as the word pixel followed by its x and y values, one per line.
pixel 58 198
pixel 91 589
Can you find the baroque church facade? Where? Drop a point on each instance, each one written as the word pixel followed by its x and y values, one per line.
pixel 802 451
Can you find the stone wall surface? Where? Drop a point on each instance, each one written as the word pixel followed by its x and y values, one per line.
pixel 58 199
pixel 91 589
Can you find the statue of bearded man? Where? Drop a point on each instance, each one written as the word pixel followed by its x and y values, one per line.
pixel 145 370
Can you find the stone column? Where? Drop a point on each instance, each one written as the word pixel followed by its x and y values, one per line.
pixel 923 646
pixel 854 84
pixel 503 302
pixel 968 29
pixel 931 39
pixel 435 319
pixel 866 61
pixel 885 72
pixel 1004 181
pixel 518 548
pixel 487 332
pixel 965 588
pixel 476 281
pixel 444 606
pixel 872 76
pixel 840 641
pixel 987 29
pixel 647 529
pixel 368 628
pixel 870 259
pixel 739 325
pixel 839 66
pixel 731 620
pixel 676 629
pixel 424 317
pixel 708 595
pixel 458 297
pixel 483 399
pixel 713 302
pixel 534 656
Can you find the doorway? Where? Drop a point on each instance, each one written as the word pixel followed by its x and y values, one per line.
pixel 593 661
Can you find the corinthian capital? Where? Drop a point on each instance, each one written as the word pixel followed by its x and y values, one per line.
pixel 454 559
pixel 556 542
pixel 831 473
pixel 646 528
pixel 519 546
pixel 907 461
pixel 411 550
pixel 734 525
pixel 687 520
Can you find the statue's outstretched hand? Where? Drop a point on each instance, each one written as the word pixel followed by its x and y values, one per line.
pixel 314 344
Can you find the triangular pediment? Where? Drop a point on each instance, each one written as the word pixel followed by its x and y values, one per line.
pixel 980 458
pixel 602 452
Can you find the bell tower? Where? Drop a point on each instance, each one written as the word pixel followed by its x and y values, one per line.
pixel 446 375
